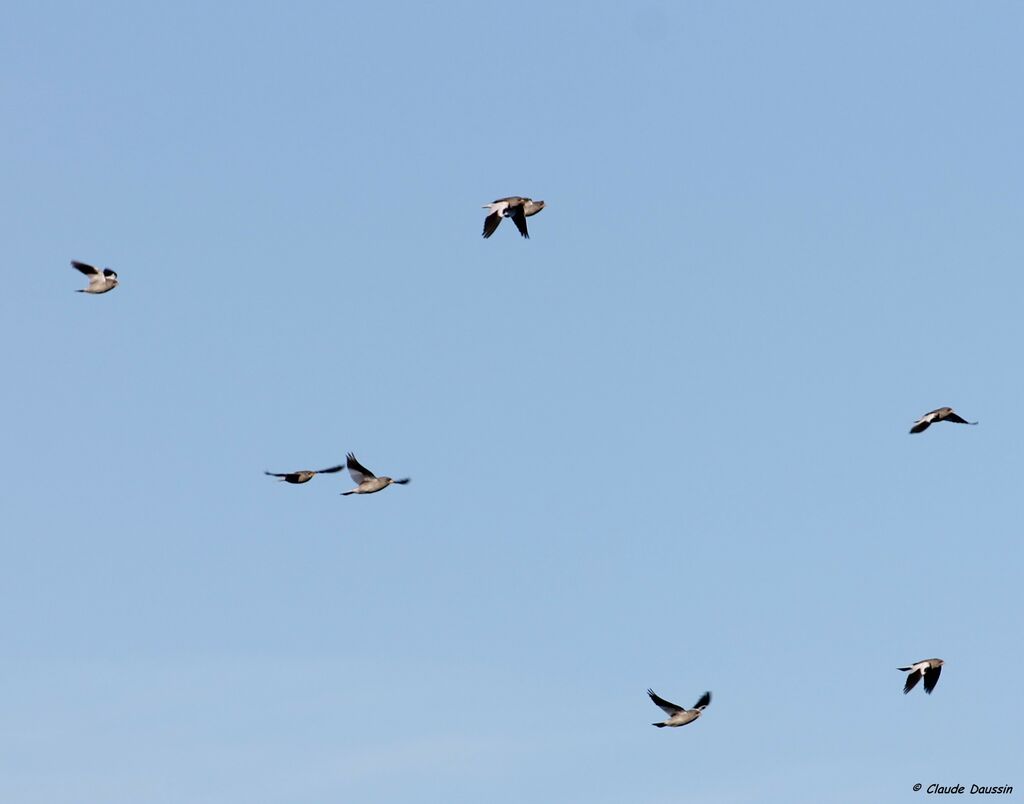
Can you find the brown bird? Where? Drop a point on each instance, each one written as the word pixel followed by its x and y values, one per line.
pixel 304 475
pixel 514 207
pixel 937 415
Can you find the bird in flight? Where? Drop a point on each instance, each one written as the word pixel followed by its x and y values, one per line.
pixel 366 481
pixel 99 282
pixel 304 475
pixel 677 715
pixel 514 207
pixel 937 415
pixel 929 668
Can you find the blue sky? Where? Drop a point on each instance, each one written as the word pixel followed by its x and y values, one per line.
pixel 662 443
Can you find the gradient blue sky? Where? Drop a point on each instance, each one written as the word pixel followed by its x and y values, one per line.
pixel 662 443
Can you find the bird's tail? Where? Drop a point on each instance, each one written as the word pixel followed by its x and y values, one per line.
pixel 346 493
pixel 659 725
pixel 904 669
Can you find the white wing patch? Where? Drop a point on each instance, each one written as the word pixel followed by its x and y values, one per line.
pixel 501 207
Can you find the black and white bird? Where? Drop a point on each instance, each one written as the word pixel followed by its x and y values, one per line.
pixel 304 475
pixel 366 481
pixel 928 668
pixel 937 415
pixel 99 282
pixel 514 207
pixel 677 715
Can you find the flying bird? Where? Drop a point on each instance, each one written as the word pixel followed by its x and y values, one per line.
pixel 677 715
pixel 366 481
pixel 304 475
pixel 514 207
pixel 929 668
pixel 98 282
pixel 938 415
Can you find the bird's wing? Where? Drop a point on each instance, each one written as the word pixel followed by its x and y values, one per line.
pixel 952 417
pixel 360 474
pixel 519 219
pixel 912 679
pixel 403 481
pixel 931 678
pixel 705 699
pixel 276 474
pixel 491 223
pixel 108 273
pixel 85 268
pixel 667 707
pixel 921 425
pixel 330 471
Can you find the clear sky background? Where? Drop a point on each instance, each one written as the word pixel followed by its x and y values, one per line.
pixel 662 443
